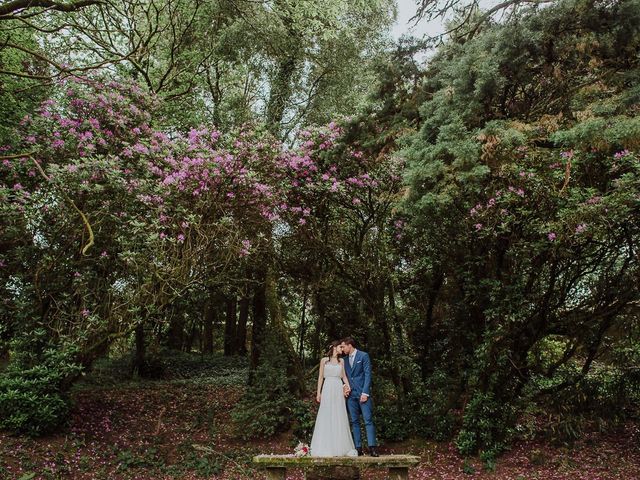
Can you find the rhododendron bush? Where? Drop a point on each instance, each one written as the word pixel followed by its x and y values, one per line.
pixel 111 220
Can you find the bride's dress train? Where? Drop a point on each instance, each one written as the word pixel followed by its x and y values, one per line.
pixel 332 432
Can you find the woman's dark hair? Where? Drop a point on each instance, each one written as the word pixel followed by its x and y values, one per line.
pixel 330 348
pixel 349 341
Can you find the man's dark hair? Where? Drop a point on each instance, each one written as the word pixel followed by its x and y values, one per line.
pixel 349 341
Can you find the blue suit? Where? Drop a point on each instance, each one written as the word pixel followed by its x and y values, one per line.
pixel 360 380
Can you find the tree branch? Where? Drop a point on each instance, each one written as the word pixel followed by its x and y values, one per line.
pixel 9 10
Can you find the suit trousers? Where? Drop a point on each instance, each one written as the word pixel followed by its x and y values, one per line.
pixel 356 410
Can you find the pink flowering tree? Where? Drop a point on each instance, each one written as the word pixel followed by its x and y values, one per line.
pixel 108 222
pixel 339 231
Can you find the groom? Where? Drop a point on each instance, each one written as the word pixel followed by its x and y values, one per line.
pixel 358 368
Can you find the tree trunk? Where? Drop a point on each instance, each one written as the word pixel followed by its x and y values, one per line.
pixel 294 369
pixel 401 346
pixel 140 356
pixel 303 326
pixel 209 319
pixel 230 326
pixel 192 336
pixel 259 313
pixel 281 87
pixel 175 339
pixel 241 331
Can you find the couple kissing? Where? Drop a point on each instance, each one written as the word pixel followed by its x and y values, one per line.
pixel 344 395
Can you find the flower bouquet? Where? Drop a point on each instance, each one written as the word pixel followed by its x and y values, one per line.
pixel 302 450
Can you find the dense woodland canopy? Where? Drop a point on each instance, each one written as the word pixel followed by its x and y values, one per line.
pixel 259 178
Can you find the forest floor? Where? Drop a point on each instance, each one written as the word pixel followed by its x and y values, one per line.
pixel 181 429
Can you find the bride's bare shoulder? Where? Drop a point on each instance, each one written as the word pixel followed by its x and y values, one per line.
pixel 323 360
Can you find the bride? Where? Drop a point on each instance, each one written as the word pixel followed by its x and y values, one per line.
pixel 332 433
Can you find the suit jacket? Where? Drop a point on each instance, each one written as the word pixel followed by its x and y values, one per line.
pixel 360 374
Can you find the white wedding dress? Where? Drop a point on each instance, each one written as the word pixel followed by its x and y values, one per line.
pixel 332 432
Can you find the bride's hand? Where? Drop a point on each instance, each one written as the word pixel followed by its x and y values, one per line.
pixel 318 398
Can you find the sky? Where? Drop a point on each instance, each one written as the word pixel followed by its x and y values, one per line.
pixel 406 10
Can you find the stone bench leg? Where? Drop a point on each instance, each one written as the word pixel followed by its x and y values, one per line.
pixel 398 473
pixel 276 473
pixel 332 473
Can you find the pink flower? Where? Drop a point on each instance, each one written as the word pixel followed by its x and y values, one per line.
pixel 140 148
pixel 104 254
pixel 551 236
pixel 181 238
pixel 623 153
pixel 246 247
pixel 478 226
pixel 72 168
pixel 581 228
pixel 88 135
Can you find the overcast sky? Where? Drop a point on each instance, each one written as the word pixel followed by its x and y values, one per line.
pixel 406 10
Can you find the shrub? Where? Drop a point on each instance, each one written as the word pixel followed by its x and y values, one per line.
pixel 485 426
pixel 267 407
pixel 33 396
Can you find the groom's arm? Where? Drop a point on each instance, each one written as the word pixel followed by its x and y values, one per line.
pixel 366 364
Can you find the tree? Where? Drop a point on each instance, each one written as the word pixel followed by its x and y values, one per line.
pixel 523 229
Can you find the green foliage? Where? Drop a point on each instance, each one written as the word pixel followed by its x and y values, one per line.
pixel 522 208
pixel 483 427
pixel 33 396
pixel 268 406
pixel 19 96
pixel 304 419
pixel 177 367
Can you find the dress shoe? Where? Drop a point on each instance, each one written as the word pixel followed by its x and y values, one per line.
pixel 359 449
pixel 373 451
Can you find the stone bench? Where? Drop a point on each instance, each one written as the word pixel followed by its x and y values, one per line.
pixel 335 467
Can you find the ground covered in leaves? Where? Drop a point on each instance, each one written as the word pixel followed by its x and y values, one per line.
pixel 181 429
